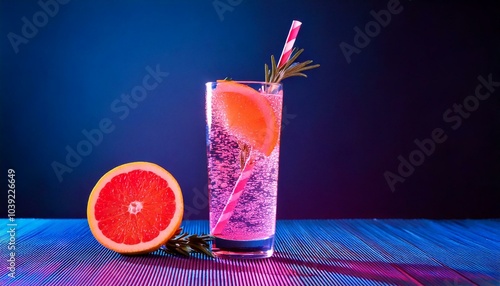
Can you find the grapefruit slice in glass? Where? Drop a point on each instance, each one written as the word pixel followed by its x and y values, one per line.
pixel 248 115
pixel 135 208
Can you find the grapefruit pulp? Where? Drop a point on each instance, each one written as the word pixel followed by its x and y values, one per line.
pixel 135 208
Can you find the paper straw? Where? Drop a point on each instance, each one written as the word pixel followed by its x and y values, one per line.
pixel 228 210
pixel 290 41
pixel 246 173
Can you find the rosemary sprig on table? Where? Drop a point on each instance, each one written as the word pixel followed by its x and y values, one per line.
pixel 184 244
pixel 289 69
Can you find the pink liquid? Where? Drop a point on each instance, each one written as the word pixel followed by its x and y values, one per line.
pixel 254 217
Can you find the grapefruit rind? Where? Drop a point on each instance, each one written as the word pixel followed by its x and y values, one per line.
pixel 248 115
pixel 163 236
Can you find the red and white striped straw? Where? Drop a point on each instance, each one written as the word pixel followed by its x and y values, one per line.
pixel 228 210
pixel 290 41
pixel 246 173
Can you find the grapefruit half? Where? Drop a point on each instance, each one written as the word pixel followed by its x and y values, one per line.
pixel 135 208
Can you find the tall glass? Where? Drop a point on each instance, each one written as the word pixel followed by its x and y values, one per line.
pixel 243 131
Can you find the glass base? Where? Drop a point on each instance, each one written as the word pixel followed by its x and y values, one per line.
pixel 246 249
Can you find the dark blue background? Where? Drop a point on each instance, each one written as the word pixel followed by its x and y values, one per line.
pixel 346 124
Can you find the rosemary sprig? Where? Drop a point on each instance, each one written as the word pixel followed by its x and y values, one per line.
pixel 184 244
pixel 289 69
pixel 244 153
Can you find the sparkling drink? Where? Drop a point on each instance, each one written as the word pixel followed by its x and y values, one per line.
pixel 243 129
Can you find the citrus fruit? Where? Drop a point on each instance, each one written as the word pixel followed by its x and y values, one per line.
pixel 135 208
pixel 248 115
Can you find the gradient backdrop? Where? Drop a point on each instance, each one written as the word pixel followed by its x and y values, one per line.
pixel 65 66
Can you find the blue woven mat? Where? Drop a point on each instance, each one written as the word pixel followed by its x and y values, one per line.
pixel 308 252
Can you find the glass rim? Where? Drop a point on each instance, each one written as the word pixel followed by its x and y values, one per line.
pixel 252 82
